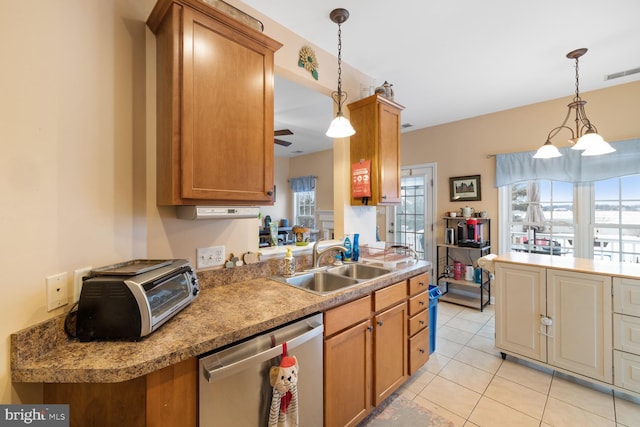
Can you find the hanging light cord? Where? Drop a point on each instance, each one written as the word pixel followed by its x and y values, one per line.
pixel 337 96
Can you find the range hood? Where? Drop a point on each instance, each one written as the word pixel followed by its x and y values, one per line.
pixel 217 212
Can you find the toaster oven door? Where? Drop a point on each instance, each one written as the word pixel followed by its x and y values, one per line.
pixel 167 296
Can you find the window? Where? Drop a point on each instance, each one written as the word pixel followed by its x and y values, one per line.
pixel 617 219
pixel 304 201
pixel 598 220
pixel 542 217
pixel 304 210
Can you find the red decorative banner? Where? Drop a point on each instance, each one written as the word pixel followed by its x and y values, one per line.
pixel 361 179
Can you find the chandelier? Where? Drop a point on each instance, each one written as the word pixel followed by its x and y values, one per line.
pixel 585 137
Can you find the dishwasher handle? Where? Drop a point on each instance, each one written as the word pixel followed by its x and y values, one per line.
pixel 221 371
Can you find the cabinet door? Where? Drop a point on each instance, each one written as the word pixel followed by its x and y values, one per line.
pixel 390 351
pixel 520 304
pixel 389 155
pixel 347 376
pixel 579 306
pixel 227 111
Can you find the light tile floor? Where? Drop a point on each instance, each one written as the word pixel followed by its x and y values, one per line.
pixel 467 382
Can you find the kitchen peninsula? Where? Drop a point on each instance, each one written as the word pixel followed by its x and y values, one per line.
pixel 577 316
pixel 157 376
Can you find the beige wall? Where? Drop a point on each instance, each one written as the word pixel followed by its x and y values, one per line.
pixel 461 148
pixel 318 164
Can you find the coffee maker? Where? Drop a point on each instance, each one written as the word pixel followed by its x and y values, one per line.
pixel 471 233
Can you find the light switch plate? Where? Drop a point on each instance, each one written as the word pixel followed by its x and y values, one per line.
pixel 209 257
pixel 57 291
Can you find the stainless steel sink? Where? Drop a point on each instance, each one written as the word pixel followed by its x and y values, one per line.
pixel 359 271
pixel 319 282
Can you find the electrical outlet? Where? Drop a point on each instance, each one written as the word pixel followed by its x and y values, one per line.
pixel 77 281
pixel 209 257
pixel 57 291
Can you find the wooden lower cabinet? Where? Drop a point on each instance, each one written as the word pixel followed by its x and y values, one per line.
pixel 366 350
pixel 348 363
pixel 390 351
pixel 164 398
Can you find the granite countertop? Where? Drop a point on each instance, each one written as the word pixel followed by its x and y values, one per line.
pixel 222 314
pixel 584 265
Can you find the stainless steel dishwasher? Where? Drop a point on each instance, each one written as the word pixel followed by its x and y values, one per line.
pixel 234 382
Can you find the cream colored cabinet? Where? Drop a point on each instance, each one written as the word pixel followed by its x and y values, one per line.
pixel 626 333
pixel 214 107
pixel 376 121
pixel 558 317
pixel 520 307
pixel 580 339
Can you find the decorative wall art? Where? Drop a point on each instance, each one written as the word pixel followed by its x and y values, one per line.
pixel 464 188
pixel 307 60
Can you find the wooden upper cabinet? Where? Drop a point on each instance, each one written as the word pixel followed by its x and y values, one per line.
pixel 376 121
pixel 214 107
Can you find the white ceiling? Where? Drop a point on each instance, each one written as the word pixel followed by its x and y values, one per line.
pixel 454 59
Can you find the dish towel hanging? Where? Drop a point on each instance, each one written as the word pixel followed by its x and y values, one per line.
pixel 284 401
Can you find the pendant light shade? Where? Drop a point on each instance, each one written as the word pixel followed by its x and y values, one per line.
pixel 340 127
pixel 585 137
pixel 547 151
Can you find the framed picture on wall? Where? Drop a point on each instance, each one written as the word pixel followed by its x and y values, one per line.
pixel 464 188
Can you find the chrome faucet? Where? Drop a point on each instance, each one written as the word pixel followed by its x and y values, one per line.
pixel 317 253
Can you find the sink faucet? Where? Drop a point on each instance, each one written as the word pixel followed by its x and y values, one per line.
pixel 317 253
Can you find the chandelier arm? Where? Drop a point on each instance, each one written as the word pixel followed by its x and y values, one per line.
pixel 584 119
pixel 562 126
pixel 555 131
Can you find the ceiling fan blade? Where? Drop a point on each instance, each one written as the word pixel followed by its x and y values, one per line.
pixel 281 142
pixel 282 132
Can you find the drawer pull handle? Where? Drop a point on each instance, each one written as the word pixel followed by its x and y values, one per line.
pixel 370 328
pixel 422 322
pixel 421 283
pixel 421 302
pixel 421 350
pixel 379 323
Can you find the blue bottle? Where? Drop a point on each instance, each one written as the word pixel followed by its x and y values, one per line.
pixel 355 251
pixel 347 244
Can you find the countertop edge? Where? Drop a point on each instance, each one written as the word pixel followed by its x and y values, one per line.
pixel 57 365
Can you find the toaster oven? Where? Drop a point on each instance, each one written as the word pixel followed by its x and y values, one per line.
pixel 133 299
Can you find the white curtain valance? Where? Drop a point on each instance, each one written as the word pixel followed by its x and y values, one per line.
pixel 571 167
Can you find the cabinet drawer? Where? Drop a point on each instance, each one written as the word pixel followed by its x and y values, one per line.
pixel 342 317
pixel 418 322
pixel 627 370
pixel 419 283
pixel 626 333
pixel 418 350
pixel 389 296
pixel 418 303
pixel 626 296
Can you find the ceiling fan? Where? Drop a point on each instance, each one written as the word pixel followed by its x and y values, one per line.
pixel 282 132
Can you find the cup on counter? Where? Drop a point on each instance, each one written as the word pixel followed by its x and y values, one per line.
pixel 453 214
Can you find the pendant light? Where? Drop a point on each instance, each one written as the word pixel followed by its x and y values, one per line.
pixel 586 135
pixel 340 126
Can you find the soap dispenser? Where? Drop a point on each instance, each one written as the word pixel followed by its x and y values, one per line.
pixel 289 265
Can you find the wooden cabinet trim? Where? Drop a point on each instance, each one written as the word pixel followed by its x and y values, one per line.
pixel 418 322
pixel 419 283
pixel 341 317
pixel 389 296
